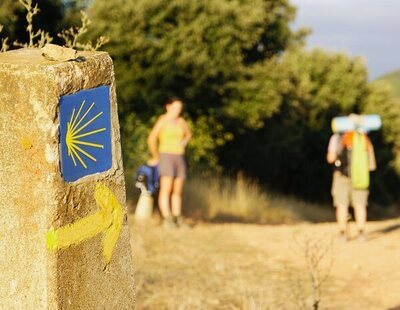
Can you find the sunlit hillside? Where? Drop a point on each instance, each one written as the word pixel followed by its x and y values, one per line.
pixel 393 78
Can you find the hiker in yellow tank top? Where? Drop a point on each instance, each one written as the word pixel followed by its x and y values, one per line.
pixel 171 137
pixel 167 142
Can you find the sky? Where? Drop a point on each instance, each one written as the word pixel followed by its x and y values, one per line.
pixel 367 28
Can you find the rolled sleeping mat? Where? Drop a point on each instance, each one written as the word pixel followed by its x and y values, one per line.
pixel 365 123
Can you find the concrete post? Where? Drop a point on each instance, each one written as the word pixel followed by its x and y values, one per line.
pixel 64 238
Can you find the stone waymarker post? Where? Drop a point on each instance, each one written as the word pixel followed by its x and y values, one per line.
pixel 64 238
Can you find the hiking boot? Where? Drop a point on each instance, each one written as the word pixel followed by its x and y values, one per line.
pixel 168 223
pixel 362 237
pixel 179 222
pixel 343 237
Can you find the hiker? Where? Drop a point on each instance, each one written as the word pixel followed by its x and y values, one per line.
pixel 167 142
pixel 352 156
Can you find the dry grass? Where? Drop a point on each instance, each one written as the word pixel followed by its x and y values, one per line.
pixel 239 200
pixel 39 38
pixel 73 35
pixel 307 288
pixel 4 42
pixel 242 200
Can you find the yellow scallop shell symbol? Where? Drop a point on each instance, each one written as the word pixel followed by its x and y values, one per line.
pixel 74 137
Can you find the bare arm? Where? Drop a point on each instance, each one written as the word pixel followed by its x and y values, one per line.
pixel 152 140
pixel 371 156
pixel 333 147
pixel 331 157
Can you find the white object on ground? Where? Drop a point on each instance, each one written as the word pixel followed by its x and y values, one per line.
pixel 144 207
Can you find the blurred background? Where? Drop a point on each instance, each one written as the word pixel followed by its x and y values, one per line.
pixel 261 79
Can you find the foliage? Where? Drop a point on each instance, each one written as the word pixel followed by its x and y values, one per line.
pixel 211 53
pixel 292 144
pixel 393 79
pixel 256 101
pixel 380 101
pixel 72 11
pixel 208 134
pixel 134 140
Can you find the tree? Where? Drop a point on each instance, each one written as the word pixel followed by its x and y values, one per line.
pixel 380 99
pixel 290 149
pixel 211 53
pixel 72 9
pixel 256 100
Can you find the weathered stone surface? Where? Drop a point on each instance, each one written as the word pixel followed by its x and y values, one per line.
pixel 34 196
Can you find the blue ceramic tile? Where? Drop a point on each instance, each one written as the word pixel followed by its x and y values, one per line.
pixel 85 133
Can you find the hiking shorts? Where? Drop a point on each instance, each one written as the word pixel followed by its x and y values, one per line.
pixel 172 165
pixel 344 194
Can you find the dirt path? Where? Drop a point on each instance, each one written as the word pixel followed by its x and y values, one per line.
pixel 237 266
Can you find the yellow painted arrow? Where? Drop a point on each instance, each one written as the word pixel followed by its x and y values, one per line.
pixel 108 219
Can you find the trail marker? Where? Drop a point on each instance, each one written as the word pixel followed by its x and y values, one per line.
pixel 64 238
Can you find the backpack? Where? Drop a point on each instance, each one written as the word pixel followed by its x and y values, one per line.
pixel 343 157
pixel 353 157
pixel 359 161
pixel 147 179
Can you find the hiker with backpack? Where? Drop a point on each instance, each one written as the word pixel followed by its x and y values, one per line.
pixel 167 142
pixel 352 155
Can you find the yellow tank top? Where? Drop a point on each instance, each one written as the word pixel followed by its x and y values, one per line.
pixel 170 138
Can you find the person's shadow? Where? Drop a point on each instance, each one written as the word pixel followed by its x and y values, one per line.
pixel 381 232
pixel 394 308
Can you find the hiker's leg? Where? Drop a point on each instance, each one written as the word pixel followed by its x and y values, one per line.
pixel 341 199
pixel 361 217
pixel 359 202
pixel 180 175
pixel 176 198
pixel 342 212
pixel 164 196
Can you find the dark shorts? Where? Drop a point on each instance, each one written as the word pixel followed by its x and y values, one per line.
pixel 172 165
